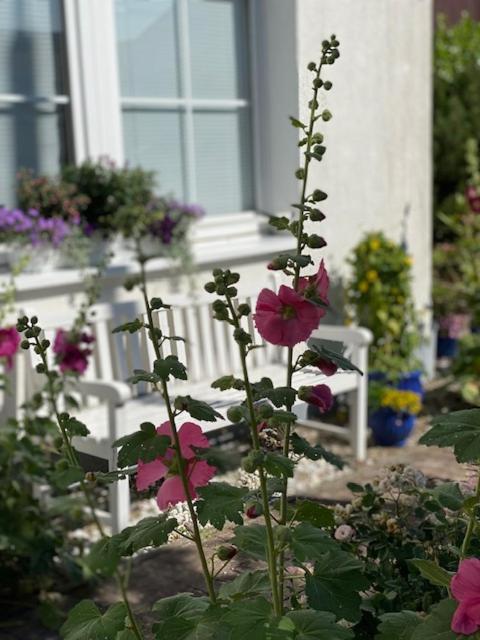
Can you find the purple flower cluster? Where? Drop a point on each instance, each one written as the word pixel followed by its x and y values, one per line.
pixel 176 220
pixel 32 228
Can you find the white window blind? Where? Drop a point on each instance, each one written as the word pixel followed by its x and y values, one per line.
pixel 33 93
pixel 184 84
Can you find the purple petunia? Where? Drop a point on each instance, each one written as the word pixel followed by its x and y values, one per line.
pixel 175 222
pixel 32 228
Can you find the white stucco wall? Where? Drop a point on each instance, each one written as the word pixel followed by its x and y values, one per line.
pixel 378 163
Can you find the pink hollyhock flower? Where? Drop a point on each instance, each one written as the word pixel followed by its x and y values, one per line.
pixel 316 287
pixel 285 318
pixel 9 341
pixel 320 395
pixel 71 354
pixel 465 588
pixel 199 472
pixel 473 198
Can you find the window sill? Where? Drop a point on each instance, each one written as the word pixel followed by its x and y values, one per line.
pixel 225 247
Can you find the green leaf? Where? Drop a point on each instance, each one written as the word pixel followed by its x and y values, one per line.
pixel 249 619
pixel 86 622
pixel 219 502
pixel 278 465
pixel 354 487
pixel 333 350
pixel 460 430
pixel 281 417
pixel 302 447
pixel 335 585
pixel 398 626
pixel 317 625
pixel 432 572
pixel 282 396
pixel 145 445
pixel 245 585
pixel 314 513
pixel 126 634
pixel 198 409
pixel 139 375
pixel 179 616
pixel 251 540
pixel 131 327
pixel 437 626
pixel 149 532
pixel 170 366
pixel 63 478
pixel 298 124
pixel 223 383
pixel 310 543
pixel 279 222
pixel 74 427
pixel 103 557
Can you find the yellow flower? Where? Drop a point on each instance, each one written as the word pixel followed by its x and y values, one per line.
pixel 401 401
pixel 363 286
pixel 374 244
pixel 372 275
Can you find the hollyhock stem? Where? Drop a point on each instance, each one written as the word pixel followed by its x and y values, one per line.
pixel 72 458
pixel 271 553
pixel 471 524
pixel 196 529
pixel 300 247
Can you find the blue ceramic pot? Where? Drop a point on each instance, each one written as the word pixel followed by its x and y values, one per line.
pixel 411 381
pixel 447 347
pixel 391 429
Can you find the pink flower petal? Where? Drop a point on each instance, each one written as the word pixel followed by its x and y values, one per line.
pixel 200 472
pixel 465 583
pixel 463 622
pixel 191 435
pixel 150 472
pixel 172 492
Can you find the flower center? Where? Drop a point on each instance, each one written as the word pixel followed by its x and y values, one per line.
pixel 288 312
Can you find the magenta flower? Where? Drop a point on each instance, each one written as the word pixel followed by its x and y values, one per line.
pixel 285 318
pixel 473 198
pixel 9 341
pixel 327 367
pixel 198 471
pixel 316 287
pixel 320 395
pixel 465 588
pixel 71 351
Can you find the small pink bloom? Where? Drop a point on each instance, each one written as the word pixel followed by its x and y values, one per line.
pixel 473 198
pixel 320 395
pixel 71 354
pixel 199 472
pixel 9 341
pixel 465 588
pixel 317 286
pixel 327 367
pixel 285 318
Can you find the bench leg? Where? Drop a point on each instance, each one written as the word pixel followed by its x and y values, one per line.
pixel 119 499
pixel 358 422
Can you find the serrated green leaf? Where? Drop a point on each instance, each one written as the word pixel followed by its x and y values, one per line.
pixel 170 366
pixel 251 618
pixel 317 625
pixel 149 532
pixel 279 222
pixel 460 430
pixel 251 540
pixel 223 383
pixel 437 626
pixel 103 557
pixel 278 465
pixel 219 502
pixel 145 445
pixel 314 513
pixel 310 543
pixel 245 585
pixel 86 622
pixel 63 478
pixel 298 124
pixel 449 495
pixel 333 350
pixel 131 327
pixel 139 375
pixel 282 396
pixel 281 417
pixel 199 409
pixel 397 626
pixel 178 616
pixel 302 447
pixel 74 427
pixel 432 572
pixel 126 634
pixel 335 585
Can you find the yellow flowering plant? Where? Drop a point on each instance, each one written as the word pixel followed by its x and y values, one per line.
pixel 379 297
pixel 382 396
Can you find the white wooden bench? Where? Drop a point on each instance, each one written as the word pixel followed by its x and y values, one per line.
pixel 112 407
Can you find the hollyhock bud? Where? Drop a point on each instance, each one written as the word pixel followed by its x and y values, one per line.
pixel 319 396
pixel 316 242
pixel 318 195
pixel 226 552
pixel 278 263
pixel 316 215
pixel 254 511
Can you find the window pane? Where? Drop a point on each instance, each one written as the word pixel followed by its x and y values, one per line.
pixel 31 47
pixel 147 48
pixel 153 141
pixel 219 48
pixel 223 160
pixel 30 136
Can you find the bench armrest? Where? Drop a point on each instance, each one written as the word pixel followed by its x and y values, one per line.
pixel 112 391
pixel 357 336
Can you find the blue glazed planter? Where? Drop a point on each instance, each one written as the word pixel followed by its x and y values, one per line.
pixel 411 381
pixel 447 347
pixel 391 429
